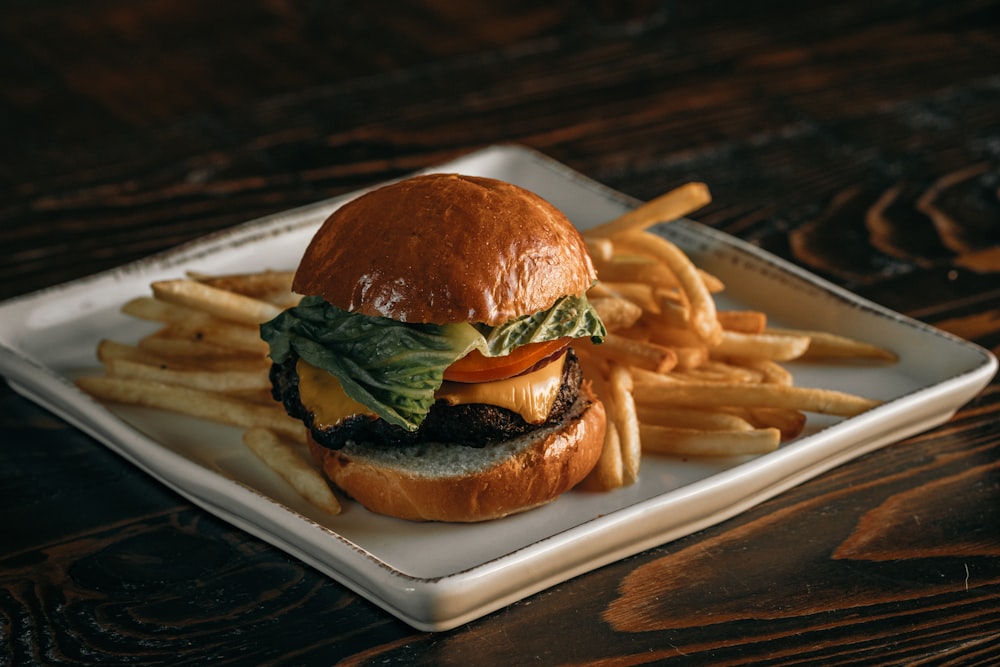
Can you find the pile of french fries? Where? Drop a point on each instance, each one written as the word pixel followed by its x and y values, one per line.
pixel 677 376
pixel 207 360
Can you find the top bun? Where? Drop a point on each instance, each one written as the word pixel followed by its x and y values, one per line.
pixel 446 248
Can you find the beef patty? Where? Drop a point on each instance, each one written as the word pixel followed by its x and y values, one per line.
pixel 473 424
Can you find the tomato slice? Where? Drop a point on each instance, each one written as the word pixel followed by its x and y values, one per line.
pixel 474 367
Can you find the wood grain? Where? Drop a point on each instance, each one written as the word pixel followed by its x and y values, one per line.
pixel 857 140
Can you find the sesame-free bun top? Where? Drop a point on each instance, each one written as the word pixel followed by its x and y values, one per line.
pixel 446 248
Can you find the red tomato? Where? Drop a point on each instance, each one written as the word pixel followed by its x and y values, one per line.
pixel 474 367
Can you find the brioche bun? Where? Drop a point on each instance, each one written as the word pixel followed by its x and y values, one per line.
pixel 438 248
pixel 440 482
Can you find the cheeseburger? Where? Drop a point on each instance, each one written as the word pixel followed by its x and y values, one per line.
pixel 431 354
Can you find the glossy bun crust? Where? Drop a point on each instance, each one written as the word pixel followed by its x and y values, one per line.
pixel 466 484
pixel 446 248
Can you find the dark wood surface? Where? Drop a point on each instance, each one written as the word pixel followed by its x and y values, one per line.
pixel 860 140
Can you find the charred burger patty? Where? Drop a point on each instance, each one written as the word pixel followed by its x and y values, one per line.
pixel 470 424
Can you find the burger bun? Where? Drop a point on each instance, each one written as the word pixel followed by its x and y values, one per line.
pixel 445 482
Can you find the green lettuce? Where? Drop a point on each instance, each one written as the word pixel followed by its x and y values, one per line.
pixel 394 368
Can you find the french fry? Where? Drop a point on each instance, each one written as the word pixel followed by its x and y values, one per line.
pixel 217 302
pixel 616 312
pixel 694 442
pixel 770 371
pixel 825 345
pixel 789 422
pixel 294 468
pixel 184 342
pixel 636 270
pixel 719 372
pixel 272 286
pixel 670 336
pixel 690 356
pixel 637 332
pixel 111 349
pixel 808 399
pixel 743 321
pixel 225 382
pixel 768 345
pixel 235 337
pixel 626 421
pixel 600 249
pixel 193 402
pixel 642 378
pixel 649 270
pixel 671 311
pixel 704 420
pixel 712 283
pixel 198 326
pixel 667 207
pixel 607 474
pixel 156 310
pixel 632 352
pixel 168 356
pixel 638 293
pixel 703 313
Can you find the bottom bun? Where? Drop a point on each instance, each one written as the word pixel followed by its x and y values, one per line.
pixel 437 482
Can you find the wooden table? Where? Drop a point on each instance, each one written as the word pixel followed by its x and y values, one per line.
pixel 858 140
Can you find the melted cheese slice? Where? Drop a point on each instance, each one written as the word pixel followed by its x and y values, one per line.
pixel 531 395
pixel 320 393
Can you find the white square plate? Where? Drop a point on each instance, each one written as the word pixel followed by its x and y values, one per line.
pixel 438 576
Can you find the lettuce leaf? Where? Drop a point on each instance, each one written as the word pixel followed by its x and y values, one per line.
pixel 394 368
pixel 570 316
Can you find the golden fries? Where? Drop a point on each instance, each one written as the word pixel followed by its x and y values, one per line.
pixel 157 310
pixel 616 312
pixel 702 314
pixel 293 467
pixel 216 301
pixel 667 207
pixel 640 294
pixel 824 345
pixel 790 423
pixel 626 422
pixel 271 286
pixel 600 249
pixel 768 345
pixel 207 361
pixel 721 395
pixel 636 270
pixel 770 371
pixel 194 402
pixel 632 352
pixel 199 353
pixel 701 381
pixel 744 321
pixel 222 382
pixel 607 473
pixel 698 442
pixel 696 418
pixel 214 331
